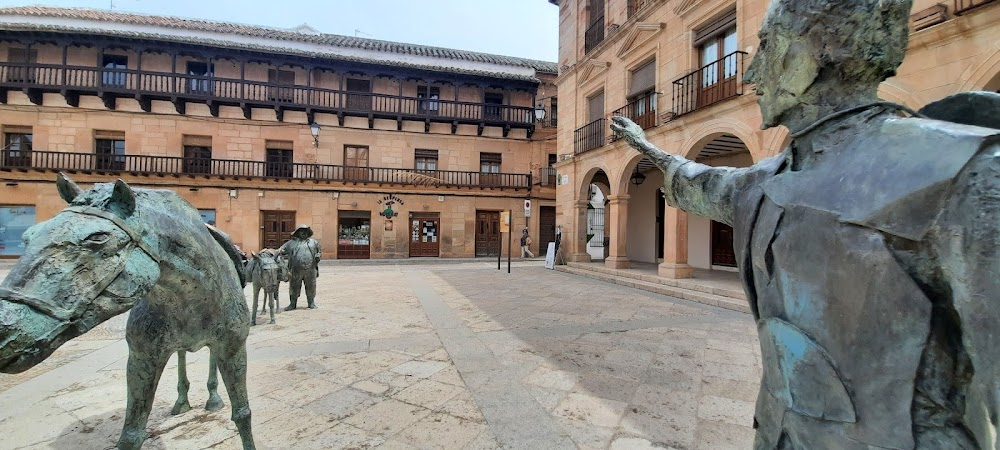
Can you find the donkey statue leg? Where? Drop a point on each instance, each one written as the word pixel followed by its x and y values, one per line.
pixel 181 405
pixel 273 296
pixel 233 367
pixel 214 402
pixel 253 311
pixel 143 374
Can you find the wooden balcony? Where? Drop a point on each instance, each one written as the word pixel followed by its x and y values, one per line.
pixel 145 86
pixel 590 136
pixel 641 110
pixel 163 166
pixel 964 6
pixel 715 82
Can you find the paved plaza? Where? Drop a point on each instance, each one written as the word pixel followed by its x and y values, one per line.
pixel 431 356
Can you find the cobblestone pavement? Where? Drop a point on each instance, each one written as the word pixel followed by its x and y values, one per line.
pixel 431 356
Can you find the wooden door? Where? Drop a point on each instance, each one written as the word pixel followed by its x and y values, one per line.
pixel 425 235
pixel 722 245
pixel 487 233
pixel 546 227
pixel 277 228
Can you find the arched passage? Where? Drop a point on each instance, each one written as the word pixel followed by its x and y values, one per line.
pixel 709 243
pixel 594 189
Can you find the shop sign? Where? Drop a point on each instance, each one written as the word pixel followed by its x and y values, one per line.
pixel 388 202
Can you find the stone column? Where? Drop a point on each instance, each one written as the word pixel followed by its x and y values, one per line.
pixel 576 239
pixel 675 245
pixel 616 225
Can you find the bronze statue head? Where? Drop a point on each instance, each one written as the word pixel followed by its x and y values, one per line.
pixel 825 54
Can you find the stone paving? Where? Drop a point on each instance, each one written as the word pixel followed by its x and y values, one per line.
pixel 432 356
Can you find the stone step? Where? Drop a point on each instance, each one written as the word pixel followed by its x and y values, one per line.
pixel 687 284
pixel 698 296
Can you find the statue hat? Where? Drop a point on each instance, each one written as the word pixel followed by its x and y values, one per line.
pixel 303 231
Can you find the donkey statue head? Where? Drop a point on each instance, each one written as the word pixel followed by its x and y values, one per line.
pixel 89 263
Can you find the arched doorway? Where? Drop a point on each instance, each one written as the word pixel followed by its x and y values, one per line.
pixel 643 182
pixel 593 237
pixel 710 243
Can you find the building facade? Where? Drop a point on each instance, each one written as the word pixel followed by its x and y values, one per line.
pixel 388 150
pixel 676 67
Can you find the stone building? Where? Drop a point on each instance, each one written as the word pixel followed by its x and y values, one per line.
pixel 388 150
pixel 676 68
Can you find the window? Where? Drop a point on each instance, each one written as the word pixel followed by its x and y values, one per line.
pixel 717 47
pixel 279 159
pixel 109 147
pixel 197 154
pixel 281 82
pixel 553 112
pixel 492 110
pixel 641 107
pixel 354 235
pixel 362 100
pixel 425 160
pixel 431 93
pixel 595 107
pixel 16 147
pixel 489 168
pixel 207 216
pixel 200 74
pixel 14 220
pixel 113 70
pixel 595 25
pixel 356 163
pixel 21 74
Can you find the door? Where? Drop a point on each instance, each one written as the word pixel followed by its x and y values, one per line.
pixel 425 237
pixel 487 233
pixel 546 227
pixel 359 96
pixel 277 228
pixel 281 89
pixel 355 163
pixel 661 212
pixel 200 79
pixel 718 73
pixel 722 245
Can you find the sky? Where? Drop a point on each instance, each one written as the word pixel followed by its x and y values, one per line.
pixel 524 28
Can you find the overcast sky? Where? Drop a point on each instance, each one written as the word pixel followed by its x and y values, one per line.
pixel 525 28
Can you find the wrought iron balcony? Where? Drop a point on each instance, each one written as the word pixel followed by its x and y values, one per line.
pixel 73 81
pixel 21 160
pixel 594 35
pixel 964 6
pixel 641 110
pixel 715 82
pixel 590 136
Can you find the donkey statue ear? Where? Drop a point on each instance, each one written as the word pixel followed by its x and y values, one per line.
pixel 122 199
pixel 68 190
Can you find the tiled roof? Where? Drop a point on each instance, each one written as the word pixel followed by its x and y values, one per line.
pixel 279 34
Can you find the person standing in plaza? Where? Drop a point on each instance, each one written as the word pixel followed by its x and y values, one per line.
pixel 302 253
pixel 525 242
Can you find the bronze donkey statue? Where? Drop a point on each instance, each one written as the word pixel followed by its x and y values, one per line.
pixel 115 249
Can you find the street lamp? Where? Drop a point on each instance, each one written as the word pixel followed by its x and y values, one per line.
pixel 314 130
pixel 539 112
pixel 637 177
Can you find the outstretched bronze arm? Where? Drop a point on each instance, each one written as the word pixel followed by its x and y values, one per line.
pixel 696 188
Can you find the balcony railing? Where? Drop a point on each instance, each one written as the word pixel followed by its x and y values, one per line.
pixel 237 92
pixel 715 82
pixel 590 136
pixel 641 110
pixel 547 176
pixel 239 169
pixel 964 6
pixel 594 35
pixel 635 5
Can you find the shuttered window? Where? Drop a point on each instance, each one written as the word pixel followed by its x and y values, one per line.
pixel 425 159
pixel 643 79
pixel 714 28
pixel 595 107
pixel 489 162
